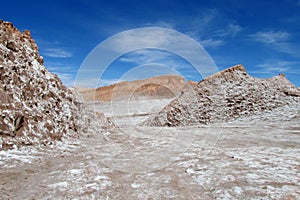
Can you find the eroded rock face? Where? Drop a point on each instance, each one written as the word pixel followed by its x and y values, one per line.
pixel 35 107
pixel 227 95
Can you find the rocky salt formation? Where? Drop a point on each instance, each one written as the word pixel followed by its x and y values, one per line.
pixel 35 107
pixel 167 86
pixel 225 96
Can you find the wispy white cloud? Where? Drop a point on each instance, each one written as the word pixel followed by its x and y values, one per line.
pixel 200 25
pixel 272 67
pixel 212 43
pixel 230 30
pixel 153 38
pixel 277 40
pixel 216 38
pixel 278 63
pixel 271 37
pixel 203 29
pixel 205 19
pixel 234 29
pixel 147 56
pixel 161 24
pixel 60 67
pixel 56 53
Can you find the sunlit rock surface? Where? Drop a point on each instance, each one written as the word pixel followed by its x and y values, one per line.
pixel 35 106
pixel 225 96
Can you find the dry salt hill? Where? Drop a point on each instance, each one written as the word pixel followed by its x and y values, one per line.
pixel 36 107
pixel 227 95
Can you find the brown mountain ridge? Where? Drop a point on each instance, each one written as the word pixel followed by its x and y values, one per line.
pixel 166 86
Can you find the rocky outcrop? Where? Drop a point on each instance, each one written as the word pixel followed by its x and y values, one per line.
pixel 224 96
pixel 168 86
pixel 35 107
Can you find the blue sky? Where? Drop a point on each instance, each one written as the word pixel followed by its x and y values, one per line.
pixel 264 35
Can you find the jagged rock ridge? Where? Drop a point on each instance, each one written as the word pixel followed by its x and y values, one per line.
pixel 224 96
pixel 35 107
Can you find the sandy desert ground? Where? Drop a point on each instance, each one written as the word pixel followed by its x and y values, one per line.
pixel 251 158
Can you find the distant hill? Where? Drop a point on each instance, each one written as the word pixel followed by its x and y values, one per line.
pixel 168 86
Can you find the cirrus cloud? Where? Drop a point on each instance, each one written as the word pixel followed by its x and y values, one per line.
pixel 277 40
pixel 56 53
